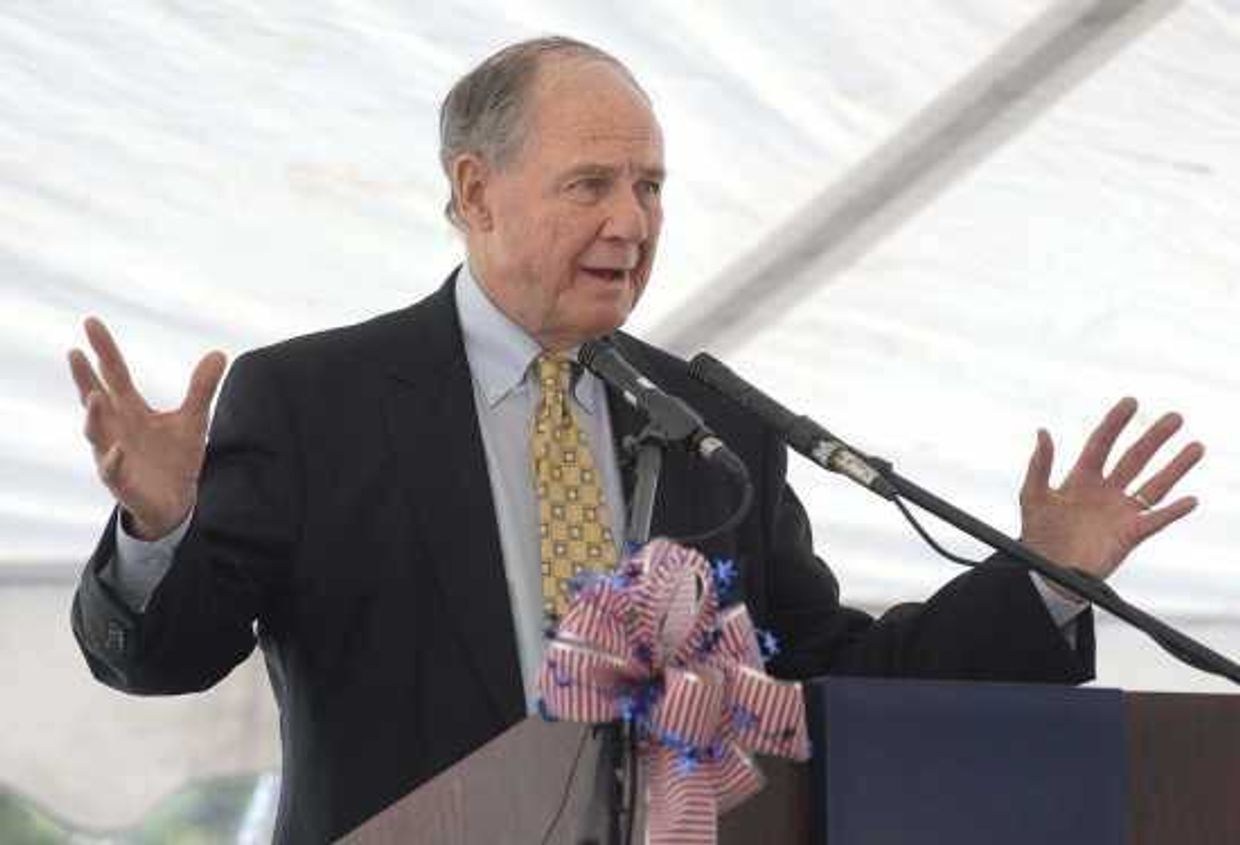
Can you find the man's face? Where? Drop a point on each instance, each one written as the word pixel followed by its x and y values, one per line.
pixel 567 230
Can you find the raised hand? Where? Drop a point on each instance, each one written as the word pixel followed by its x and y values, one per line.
pixel 1090 522
pixel 149 459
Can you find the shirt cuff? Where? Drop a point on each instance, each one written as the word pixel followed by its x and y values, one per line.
pixel 139 565
pixel 1063 610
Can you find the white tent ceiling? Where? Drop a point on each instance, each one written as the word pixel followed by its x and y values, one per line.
pixel 225 175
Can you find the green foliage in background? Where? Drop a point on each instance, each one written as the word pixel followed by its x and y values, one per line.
pixel 205 813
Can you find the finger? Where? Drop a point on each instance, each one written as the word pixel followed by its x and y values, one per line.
pixel 203 383
pixel 1156 520
pixel 1156 488
pixel 95 426
pixel 1098 446
pixel 1139 453
pixel 1038 475
pixel 111 362
pixel 83 375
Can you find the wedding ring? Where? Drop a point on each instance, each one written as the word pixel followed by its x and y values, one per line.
pixel 1142 501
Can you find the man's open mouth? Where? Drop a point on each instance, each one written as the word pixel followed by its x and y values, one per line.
pixel 609 274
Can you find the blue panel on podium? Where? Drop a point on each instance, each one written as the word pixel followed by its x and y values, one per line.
pixel 901 762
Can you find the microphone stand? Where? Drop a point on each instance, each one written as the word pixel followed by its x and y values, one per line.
pixel 645 451
pixel 1175 642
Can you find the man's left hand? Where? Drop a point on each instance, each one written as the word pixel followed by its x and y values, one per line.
pixel 1090 522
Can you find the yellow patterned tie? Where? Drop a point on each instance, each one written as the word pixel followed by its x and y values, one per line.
pixel 572 514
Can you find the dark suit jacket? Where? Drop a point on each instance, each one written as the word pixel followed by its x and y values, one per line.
pixel 345 522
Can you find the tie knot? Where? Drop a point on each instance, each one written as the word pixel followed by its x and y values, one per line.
pixel 555 370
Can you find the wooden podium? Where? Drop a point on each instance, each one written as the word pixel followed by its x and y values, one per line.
pixel 892 758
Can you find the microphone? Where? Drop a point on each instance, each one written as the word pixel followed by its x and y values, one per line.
pixel 674 418
pixel 800 432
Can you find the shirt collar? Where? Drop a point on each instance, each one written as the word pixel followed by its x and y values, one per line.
pixel 500 351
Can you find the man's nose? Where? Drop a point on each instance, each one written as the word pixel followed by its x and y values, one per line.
pixel 629 218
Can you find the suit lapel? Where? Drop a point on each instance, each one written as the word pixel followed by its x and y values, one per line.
pixel 441 462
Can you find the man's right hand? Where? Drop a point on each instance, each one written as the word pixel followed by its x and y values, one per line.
pixel 150 460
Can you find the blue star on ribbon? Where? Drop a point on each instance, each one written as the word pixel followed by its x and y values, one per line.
pixel 724 572
pixel 768 644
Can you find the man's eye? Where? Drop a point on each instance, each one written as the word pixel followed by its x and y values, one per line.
pixel 589 186
pixel 654 189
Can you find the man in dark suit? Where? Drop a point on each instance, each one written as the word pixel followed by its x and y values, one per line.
pixel 364 508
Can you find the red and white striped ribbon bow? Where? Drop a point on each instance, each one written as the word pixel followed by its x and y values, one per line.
pixel 649 644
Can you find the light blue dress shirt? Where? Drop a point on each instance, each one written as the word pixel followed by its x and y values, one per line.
pixel 506 396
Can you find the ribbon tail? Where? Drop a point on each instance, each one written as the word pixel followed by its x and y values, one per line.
pixel 681 808
pixel 737 779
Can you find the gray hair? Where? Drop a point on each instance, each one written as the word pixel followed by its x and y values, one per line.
pixel 485 112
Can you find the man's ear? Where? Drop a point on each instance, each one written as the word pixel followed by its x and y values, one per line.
pixel 470 178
